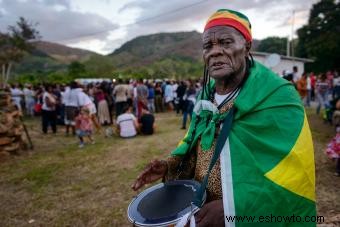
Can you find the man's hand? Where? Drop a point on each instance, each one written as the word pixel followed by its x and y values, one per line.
pixel 154 171
pixel 211 214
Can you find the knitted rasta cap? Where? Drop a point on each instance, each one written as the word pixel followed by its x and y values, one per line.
pixel 230 18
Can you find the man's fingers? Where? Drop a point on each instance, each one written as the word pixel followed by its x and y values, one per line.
pixel 200 218
pixel 156 163
pixel 146 176
pixel 151 167
pixel 203 223
pixel 200 215
pixel 138 184
pixel 140 176
pixel 146 170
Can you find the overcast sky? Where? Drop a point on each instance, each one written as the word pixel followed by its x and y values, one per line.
pixel 104 25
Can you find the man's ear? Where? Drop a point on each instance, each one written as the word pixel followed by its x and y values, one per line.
pixel 248 46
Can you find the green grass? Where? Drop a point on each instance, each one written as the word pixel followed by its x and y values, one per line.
pixel 59 184
pixel 41 176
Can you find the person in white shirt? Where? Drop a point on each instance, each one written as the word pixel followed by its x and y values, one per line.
pixel 309 91
pixel 120 93
pixel 17 94
pixel 127 123
pixel 174 87
pixel 29 99
pixel 168 96
pixel 71 102
pixel 296 76
pixel 86 101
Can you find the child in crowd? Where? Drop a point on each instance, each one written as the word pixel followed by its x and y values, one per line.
pixel 84 126
pixel 333 150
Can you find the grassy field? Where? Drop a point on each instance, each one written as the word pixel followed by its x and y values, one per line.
pixel 59 184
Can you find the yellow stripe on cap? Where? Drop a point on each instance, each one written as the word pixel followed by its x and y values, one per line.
pixel 227 17
pixel 226 14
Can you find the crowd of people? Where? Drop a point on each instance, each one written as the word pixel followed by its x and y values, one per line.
pixel 108 99
pixel 128 105
pixel 324 89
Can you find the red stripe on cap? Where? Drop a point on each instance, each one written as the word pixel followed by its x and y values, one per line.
pixel 229 22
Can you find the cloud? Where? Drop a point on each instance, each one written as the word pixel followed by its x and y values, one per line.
pixel 178 15
pixel 300 18
pixel 194 10
pixel 64 21
pixel 56 21
pixel 65 3
pixel 2 12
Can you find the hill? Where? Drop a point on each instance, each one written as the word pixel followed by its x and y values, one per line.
pixel 61 53
pixel 163 54
pixel 160 55
pixel 145 50
pixel 48 57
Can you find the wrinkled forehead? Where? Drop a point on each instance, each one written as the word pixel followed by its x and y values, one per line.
pixel 219 32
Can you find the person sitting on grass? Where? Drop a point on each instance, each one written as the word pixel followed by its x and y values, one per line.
pixel 84 126
pixel 146 122
pixel 127 123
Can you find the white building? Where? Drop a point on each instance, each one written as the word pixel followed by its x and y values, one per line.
pixel 284 62
pixel 85 81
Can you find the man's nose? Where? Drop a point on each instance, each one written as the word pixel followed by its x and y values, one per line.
pixel 216 50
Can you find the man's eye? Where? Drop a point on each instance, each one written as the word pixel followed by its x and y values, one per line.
pixel 226 41
pixel 207 46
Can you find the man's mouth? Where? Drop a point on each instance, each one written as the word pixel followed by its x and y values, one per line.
pixel 218 65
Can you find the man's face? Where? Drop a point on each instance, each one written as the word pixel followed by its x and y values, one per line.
pixel 224 51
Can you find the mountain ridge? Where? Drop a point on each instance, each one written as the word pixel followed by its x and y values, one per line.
pixel 159 53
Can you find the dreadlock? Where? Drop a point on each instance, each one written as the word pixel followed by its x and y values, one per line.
pixel 205 80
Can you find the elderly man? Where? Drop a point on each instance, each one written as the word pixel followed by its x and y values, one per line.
pixel 266 166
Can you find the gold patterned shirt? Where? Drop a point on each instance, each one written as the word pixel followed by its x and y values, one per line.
pixel 196 166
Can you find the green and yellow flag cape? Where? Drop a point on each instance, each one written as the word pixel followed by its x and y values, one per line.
pixel 270 151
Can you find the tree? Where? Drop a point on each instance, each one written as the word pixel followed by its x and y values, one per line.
pixel 14 44
pixel 76 70
pixel 100 66
pixel 273 45
pixel 320 39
